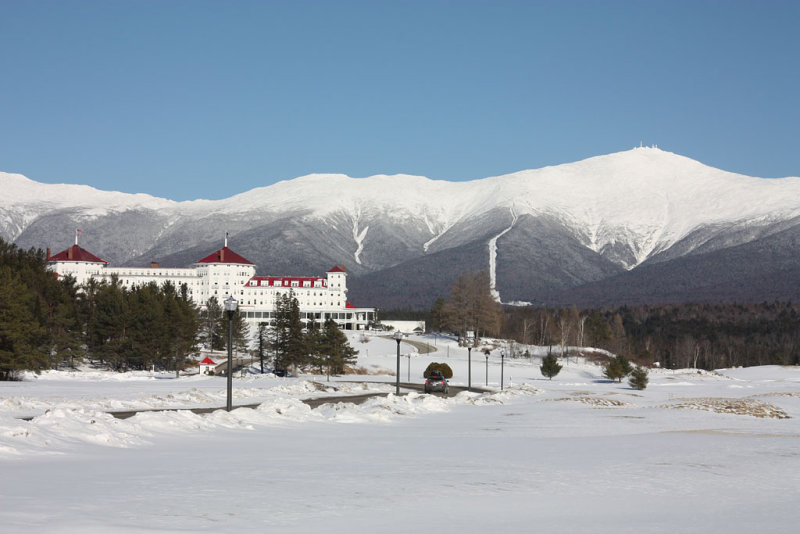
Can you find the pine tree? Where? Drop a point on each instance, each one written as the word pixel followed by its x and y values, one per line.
pixel 241 332
pixel 618 368
pixel 296 347
pixel 550 366
pixel 111 324
pixel 213 329
pixel 262 342
pixel 638 379
pixel 288 340
pixel 279 333
pixel 315 347
pixel 22 336
pixel 335 349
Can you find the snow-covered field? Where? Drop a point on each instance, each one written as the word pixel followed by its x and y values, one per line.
pixel 694 452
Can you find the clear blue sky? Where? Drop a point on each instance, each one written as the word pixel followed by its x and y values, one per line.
pixel 206 99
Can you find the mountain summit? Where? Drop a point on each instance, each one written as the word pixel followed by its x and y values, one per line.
pixel 643 225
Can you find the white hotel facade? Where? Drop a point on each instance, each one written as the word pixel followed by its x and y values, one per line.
pixel 224 274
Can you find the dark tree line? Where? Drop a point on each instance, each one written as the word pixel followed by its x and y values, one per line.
pixel 137 328
pixel 705 336
pixel 36 317
pixel 46 322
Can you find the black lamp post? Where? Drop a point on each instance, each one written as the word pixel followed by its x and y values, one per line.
pixel 230 309
pixel 502 361
pixel 487 368
pixel 469 360
pixel 398 336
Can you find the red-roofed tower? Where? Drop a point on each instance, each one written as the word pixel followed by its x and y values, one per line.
pixel 76 262
pixel 226 273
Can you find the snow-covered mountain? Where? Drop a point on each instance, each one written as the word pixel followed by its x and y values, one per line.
pixel 587 232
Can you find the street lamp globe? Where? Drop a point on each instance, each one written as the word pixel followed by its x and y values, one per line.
pixel 230 305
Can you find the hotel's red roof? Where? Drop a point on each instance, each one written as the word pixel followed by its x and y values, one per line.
pixel 337 269
pixel 225 255
pixel 76 253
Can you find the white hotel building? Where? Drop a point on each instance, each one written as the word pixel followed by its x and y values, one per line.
pixel 223 274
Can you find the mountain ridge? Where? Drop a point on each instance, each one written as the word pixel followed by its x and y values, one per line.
pixel 600 217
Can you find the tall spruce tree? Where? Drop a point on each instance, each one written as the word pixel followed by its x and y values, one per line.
pixel 550 366
pixel 22 336
pixel 335 349
pixel 296 347
pixel 241 332
pixel 213 329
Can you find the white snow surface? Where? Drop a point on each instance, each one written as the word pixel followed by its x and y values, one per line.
pixel 647 197
pixel 694 452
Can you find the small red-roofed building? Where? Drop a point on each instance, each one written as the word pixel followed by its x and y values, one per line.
pixel 207 366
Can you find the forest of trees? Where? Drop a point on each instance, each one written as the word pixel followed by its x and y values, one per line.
pixel 324 348
pixel 704 336
pixel 46 322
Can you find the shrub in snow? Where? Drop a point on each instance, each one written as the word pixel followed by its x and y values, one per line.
pixel 441 367
pixel 638 379
pixel 550 366
pixel 618 368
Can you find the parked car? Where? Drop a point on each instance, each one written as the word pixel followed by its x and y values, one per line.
pixel 436 382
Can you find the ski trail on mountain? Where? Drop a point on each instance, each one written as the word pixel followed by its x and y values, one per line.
pixel 493 256
pixel 358 236
pixel 436 236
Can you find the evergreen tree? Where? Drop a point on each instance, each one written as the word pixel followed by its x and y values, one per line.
pixel 111 323
pixel 262 343
pixel 550 366
pixel 315 347
pixel 335 349
pixel 618 368
pixel 288 340
pixel 65 325
pixel 279 333
pixel 296 347
pixel 213 328
pixel 638 379
pixel 22 337
pixel 241 332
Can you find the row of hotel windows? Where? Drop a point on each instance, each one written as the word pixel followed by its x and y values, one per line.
pixel 303 315
pixel 286 283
